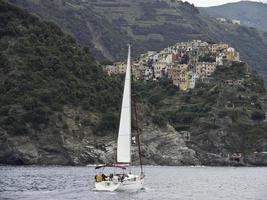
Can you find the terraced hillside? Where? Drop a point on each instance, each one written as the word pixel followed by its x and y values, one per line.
pixel 251 14
pixel 107 25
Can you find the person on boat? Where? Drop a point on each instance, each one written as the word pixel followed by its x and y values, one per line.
pixel 104 177
pixel 119 177
pixel 123 177
pixel 98 178
pixel 111 176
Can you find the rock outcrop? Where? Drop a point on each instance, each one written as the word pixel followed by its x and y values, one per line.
pixel 257 159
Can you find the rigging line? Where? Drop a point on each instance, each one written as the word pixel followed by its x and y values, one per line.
pixel 137 126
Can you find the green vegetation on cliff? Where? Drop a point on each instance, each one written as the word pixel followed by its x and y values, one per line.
pixel 43 71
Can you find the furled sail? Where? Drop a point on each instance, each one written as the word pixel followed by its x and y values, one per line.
pixel 124 137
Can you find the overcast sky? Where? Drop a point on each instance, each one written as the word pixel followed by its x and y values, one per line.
pixel 207 3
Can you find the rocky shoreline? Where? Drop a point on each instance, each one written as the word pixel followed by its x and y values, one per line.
pixel 159 147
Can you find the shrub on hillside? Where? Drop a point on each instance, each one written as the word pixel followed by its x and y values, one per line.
pixel 258 115
pixel 159 120
pixel 109 123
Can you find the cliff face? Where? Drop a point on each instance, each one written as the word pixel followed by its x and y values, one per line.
pixel 106 26
pixel 77 145
pixel 44 72
pixel 58 107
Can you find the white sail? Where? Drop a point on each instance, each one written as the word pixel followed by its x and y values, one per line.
pixel 124 137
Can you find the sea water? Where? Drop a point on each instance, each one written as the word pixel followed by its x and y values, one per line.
pixel 161 182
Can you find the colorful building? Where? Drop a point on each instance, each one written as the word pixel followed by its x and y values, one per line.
pixel 159 69
pixel 232 55
pixel 205 69
pixel 121 66
pixel 179 78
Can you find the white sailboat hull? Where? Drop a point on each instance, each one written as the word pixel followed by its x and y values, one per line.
pixel 108 186
pixel 131 184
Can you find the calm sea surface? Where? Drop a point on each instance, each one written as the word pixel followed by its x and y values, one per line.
pixel 181 183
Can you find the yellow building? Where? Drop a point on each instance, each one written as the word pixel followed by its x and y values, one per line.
pixel 121 67
pixel 184 81
pixel 138 71
pixel 180 78
pixel 218 47
pixel 183 67
pixel 233 56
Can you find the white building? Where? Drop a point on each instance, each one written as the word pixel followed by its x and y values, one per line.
pixel 220 59
pixel 151 53
pixel 192 80
pixel 237 22
pixel 230 49
pixel 148 74
pixel 220 19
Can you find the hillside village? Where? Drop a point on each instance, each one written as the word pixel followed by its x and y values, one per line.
pixel 184 63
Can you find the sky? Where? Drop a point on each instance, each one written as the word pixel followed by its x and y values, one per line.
pixel 207 3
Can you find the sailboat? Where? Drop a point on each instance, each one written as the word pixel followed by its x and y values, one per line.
pixel 122 178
